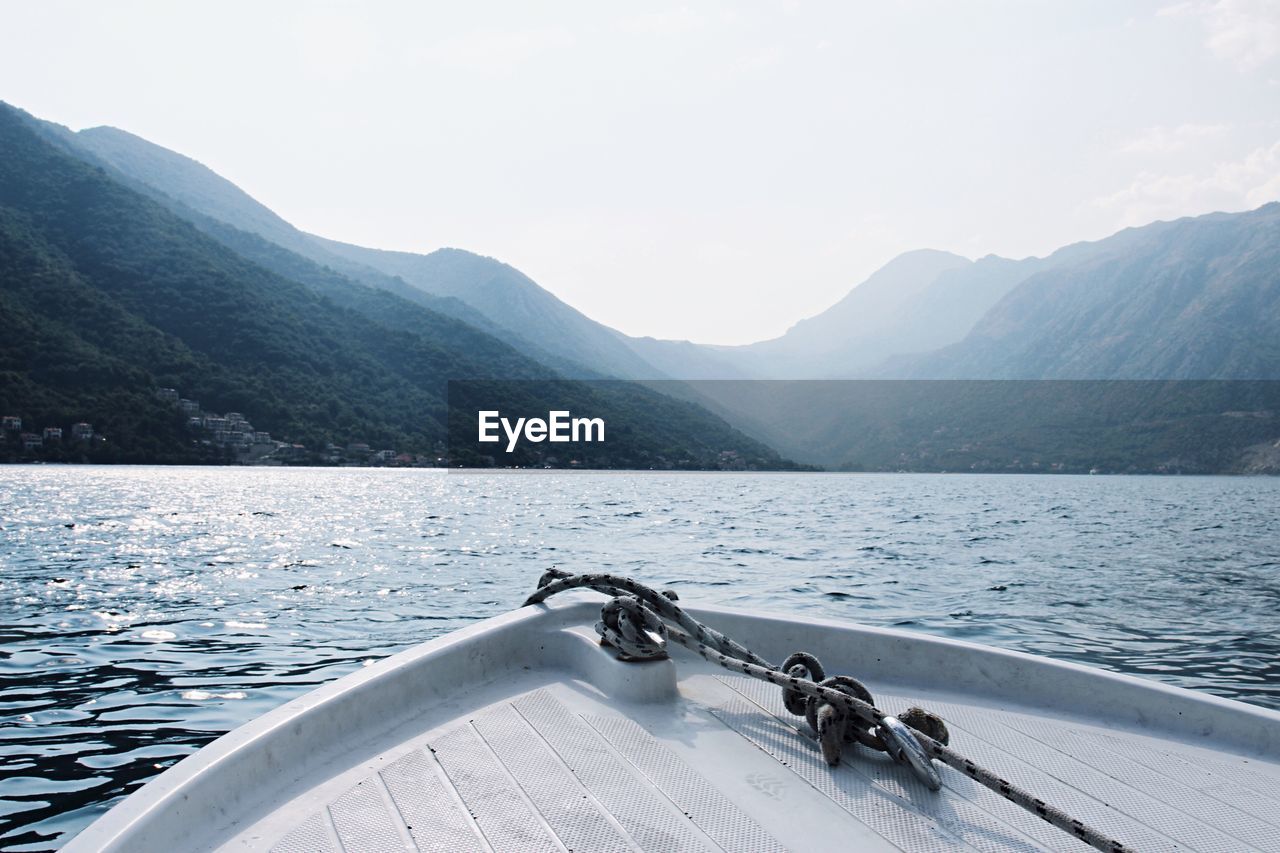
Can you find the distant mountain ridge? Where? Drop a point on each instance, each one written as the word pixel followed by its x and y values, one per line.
pixel 1196 298
pixel 925 314
pixel 196 192
pixel 852 334
pixel 510 299
pixel 476 289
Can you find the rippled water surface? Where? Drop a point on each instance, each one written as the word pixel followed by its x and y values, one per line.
pixel 147 610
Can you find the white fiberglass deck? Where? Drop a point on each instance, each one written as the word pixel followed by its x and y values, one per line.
pixel 521 733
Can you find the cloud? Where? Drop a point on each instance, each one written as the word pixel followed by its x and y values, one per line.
pixel 496 52
pixel 667 22
pixel 1241 184
pixel 1243 32
pixel 1166 140
pixel 761 60
pixel 334 45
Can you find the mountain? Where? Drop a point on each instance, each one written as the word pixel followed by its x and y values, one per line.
pixel 108 295
pixel 1196 298
pixel 126 267
pixel 920 301
pixel 510 299
pixel 853 333
pixel 1081 311
pixel 70 354
pixel 220 209
pixel 115 268
pixel 686 360
pixel 198 194
pixel 499 299
pixel 479 290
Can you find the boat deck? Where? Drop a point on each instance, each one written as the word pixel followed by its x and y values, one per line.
pixel 725 767
pixel 540 740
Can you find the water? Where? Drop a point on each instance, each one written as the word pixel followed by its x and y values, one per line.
pixel 147 610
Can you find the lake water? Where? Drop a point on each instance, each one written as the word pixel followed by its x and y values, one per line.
pixel 147 610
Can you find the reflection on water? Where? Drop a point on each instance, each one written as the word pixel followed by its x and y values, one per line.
pixel 145 611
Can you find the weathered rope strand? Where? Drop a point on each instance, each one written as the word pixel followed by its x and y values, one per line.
pixel 723 651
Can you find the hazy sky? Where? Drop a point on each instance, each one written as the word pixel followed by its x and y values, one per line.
pixel 713 171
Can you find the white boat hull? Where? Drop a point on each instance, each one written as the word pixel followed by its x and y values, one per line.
pixel 522 733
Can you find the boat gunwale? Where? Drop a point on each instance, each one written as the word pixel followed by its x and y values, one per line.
pixel 1003 678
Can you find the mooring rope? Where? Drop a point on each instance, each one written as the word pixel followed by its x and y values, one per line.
pixel 638 620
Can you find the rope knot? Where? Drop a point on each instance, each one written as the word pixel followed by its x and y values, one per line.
pixel 633 629
pixel 927 723
pixel 837 726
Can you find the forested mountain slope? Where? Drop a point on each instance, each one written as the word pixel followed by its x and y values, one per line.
pixel 108 294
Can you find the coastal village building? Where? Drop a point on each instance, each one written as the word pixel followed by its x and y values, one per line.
pixel 234 432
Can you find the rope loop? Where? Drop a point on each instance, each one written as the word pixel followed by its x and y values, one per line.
pixel 832 724
pixel 800 666
pixel 836 726
pixel 633 629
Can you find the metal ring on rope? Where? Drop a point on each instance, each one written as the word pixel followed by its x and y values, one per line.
pixel 903 747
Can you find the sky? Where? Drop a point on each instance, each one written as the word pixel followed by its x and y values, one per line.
pixel 710 171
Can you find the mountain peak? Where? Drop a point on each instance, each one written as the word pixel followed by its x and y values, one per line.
pixel 112 144
pixel 904 275
pixel 926 256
